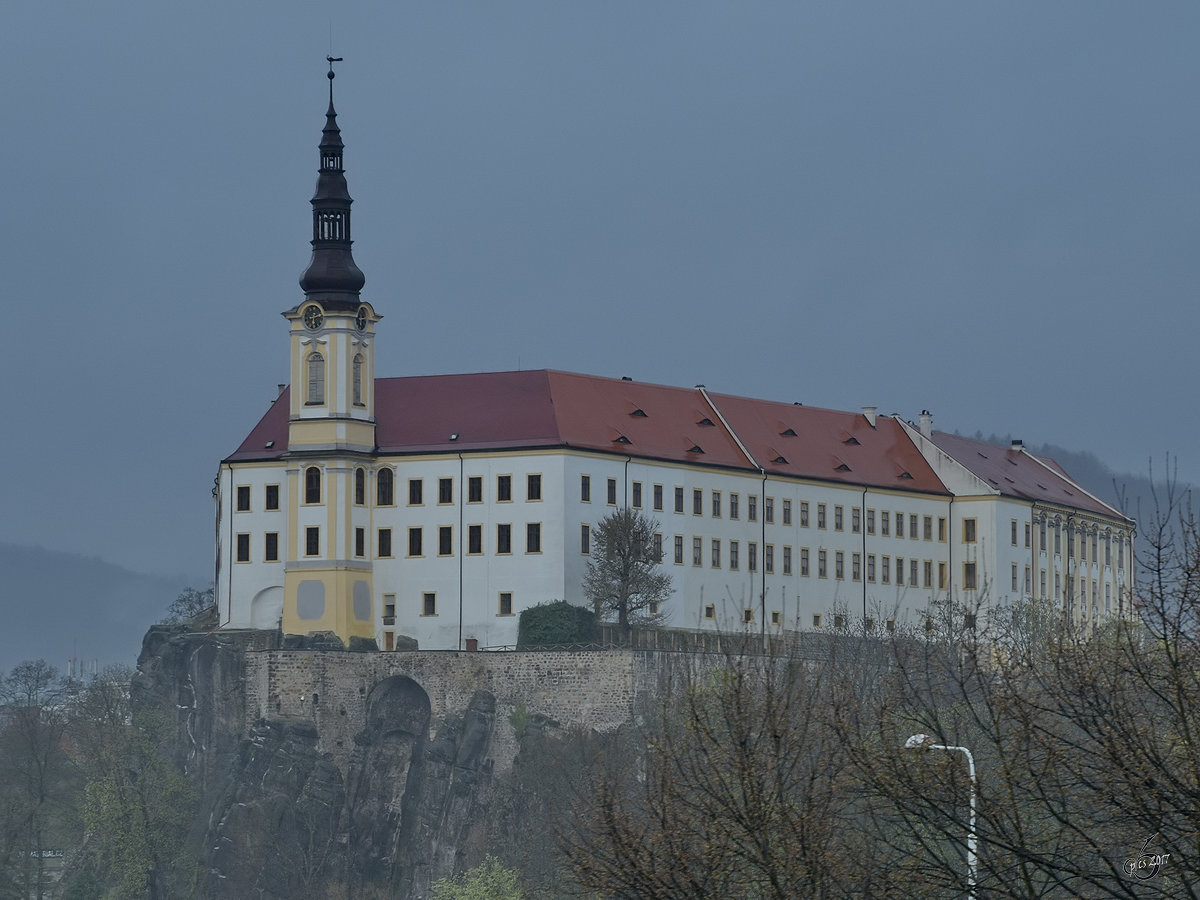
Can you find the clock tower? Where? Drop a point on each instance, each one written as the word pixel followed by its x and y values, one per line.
pixel 331 419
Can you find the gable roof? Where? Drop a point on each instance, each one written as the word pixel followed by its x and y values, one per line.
pixel 545 409
pixel 1019 474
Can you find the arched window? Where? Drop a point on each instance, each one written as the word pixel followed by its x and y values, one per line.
pixel 384 494
pixel 360 487
pixel 316 378
pixel 357 381
pixel 312 485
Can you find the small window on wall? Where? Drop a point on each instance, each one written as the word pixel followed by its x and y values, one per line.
pixel 316 379
pixel 504 488
pixel 360 542
pixel 429 604
pixel 445 540
pixel 272 497
pixel 360 487
pixel 585 539
pixel 243 548
pixel 776 617
pixel 585 488
pixel 357 380
pixel 658 498
pixel 312 541
pixel 747 616
pixel 506 607
pixel 504 538
pixel 637 495
pixel 612 491
pixel 243 498
pixel 533 537
pixel 312 485
pixel 271 547
pixel 475 489
pixel 816 620
pixel 678 499
pixel 385 483
pixel 385 542
pixel 474 539
pixel 445 490
pixel 969 531
pixel 414 542
pixel 710 611
pixel 416 492
pixel 533 487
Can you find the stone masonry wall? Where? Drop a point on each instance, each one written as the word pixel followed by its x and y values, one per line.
pixel 592 689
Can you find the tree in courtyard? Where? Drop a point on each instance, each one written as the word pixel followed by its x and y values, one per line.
pixel 623 576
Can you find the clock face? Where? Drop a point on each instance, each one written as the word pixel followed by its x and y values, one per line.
pixel 361 319
pixel 313 317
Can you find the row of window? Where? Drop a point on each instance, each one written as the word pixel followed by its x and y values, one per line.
pixel 385 492
pixel 429 607
pixel 384 545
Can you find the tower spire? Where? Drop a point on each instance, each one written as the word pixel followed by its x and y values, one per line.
pixel 332 279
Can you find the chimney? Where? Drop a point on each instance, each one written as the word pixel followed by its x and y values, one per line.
pixel 926 423
pixel 1018 445
pixel 279 389
pixel 869 414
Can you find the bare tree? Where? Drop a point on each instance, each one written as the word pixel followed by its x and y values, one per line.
pixel 623 576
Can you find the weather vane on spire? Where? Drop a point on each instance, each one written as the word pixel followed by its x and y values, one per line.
pixel 331 60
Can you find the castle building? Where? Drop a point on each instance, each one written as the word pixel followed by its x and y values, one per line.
pixel 437 508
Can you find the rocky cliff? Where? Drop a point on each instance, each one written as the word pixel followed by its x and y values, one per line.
pixel 331 773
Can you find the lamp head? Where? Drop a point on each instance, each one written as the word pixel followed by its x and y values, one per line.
pixel 918 742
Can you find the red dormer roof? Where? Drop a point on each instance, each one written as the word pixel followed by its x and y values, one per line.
pixel 1018 473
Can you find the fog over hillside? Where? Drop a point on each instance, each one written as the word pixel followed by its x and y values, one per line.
pixel 58 605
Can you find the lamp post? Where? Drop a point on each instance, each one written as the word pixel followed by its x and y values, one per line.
pixel 925 742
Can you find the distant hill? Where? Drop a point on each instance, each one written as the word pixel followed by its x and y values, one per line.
pixel 58 604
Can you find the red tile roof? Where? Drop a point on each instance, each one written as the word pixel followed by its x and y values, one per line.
pixel 1019 474
pixel 542 409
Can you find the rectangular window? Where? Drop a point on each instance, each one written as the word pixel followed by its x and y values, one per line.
pixel 839 565
pixel 1013 530
pixel 474 540
pixel 710 611
pixel 776 617
pixel 928 574
pixel 1028 579
pixel 752 556
pixel 385 542
pixel 912 526
pixel 734 512
pixel 1014 576
pixel 870 567
pixel 243 498
pixel 445 540
pixel 533 537
pixel 885 522
pixel 656 545
pixel 769 510
pixel 716 553
pixel 787 560
pixel 612 492
pixel 637 495
pixel 970 533
pixel 752 508
pixel 505 605
pixel 679 549
pixel 658 498
pixel 445 490
pixel 900 570
pixel 533 487
pixel 475 489
pixel 429 604
pixel 1028 536
pixel 899 525
pixel 838 518
pixel 585 488
pixel 716 504
pixel 678 499
pixel 941 576
pixel 885 569
pixel 415 542
pixel 941 528
pixel 816 620
pixel 733 555
pixel 271 547
pixel 969 576
pixel 748 616
pixel 504 539
pixel 820 515
pixel 804 561
pixel 928 528
pixel 769 558
pixel 272 496
pixel 243 548
pixel 856 520
pixel 822 567
pixel 312 541
pixel 856 567
pixel 697 552
pixel 415 491
pixel 585 539
pixel 697 503
pixel 912 573
pixel 503 488
pixel 787 512
pixel 870 521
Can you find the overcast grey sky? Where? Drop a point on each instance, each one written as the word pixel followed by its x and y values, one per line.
pixel 987 210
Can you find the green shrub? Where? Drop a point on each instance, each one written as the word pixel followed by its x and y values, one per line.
pixel 556 623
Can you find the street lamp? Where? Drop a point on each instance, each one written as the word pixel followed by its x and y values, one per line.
pixel 925 742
